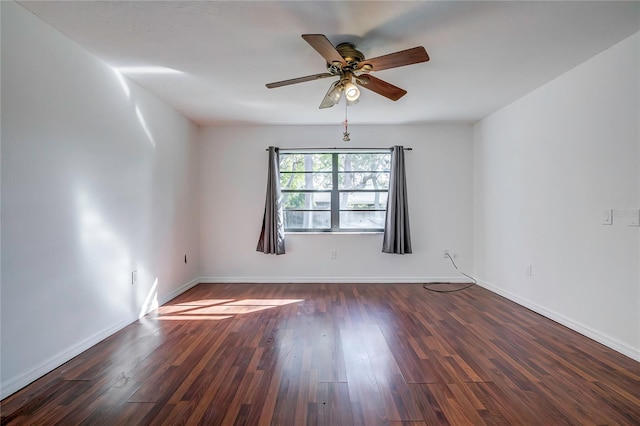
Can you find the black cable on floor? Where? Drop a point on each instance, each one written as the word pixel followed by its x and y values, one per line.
pixel 425 286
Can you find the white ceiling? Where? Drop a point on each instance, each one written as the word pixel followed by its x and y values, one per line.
pixel 484 55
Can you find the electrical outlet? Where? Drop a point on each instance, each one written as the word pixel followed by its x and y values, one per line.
pixel 333 254
pixel 134 277
pixel 527 271
pixel 445 253
pixel 607 217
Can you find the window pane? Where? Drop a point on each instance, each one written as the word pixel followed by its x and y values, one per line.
pixel 359 162
pixel 359 180
pixel 306 200
pixel 305 162
pixel 307 220
pixel 362 220
pixel 363 200
pixel 306 181
pixel 361 184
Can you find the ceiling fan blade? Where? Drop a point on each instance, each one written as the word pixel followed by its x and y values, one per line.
pixel 381 87
pixel 397 59
pixel 324 47
pixel 298 80
pixel 333 96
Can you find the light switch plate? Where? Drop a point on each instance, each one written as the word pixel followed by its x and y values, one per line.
pixel 607 217
pixel 635 217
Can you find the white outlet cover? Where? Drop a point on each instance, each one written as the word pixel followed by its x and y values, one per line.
pixel 607 217
pixel 635 217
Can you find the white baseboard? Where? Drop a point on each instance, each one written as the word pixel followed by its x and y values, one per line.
pixel 177 292
pixel 337 280
pixel 16 383
pixel 610 342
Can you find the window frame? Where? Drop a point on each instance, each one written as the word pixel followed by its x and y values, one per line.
pixel 335 192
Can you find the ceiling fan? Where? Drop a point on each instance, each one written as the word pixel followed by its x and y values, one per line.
pixel 349 64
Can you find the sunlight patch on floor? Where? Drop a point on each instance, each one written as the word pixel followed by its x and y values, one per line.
pixel 218 309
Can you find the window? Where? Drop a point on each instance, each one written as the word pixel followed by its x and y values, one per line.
pixel 334 191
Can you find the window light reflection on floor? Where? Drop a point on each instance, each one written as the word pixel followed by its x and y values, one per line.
pixel 217 309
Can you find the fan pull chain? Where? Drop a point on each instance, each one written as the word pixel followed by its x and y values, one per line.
pixel 345 136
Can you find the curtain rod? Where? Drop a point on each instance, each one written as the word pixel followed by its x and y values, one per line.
pixel 338 149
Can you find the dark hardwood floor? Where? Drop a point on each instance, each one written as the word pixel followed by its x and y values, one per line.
pixel 337 354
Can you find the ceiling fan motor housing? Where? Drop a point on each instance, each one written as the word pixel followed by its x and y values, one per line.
pixel 351 55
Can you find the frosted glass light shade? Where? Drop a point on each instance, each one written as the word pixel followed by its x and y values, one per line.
pixel 351 91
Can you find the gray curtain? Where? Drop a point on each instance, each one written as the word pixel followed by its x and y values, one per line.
pixel 397 238
pixel 272 235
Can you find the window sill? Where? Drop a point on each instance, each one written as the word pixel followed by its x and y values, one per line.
pixel 334 233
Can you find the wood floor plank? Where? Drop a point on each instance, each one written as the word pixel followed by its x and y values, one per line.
pixel 364 394
pixel 328 355
pixel 336 354
pixel 270 397
pixel 394 391
pixel 452 407
pixel 414 368
pixel 429 407
pixel 333 407
pixel 408 423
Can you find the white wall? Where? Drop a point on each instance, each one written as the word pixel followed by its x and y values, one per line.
pixel 98 179
pixel 233 182
pixel 545 168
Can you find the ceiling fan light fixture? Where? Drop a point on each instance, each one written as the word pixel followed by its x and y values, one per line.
pixel 333 96
pixel 351 92
pixel 336 93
